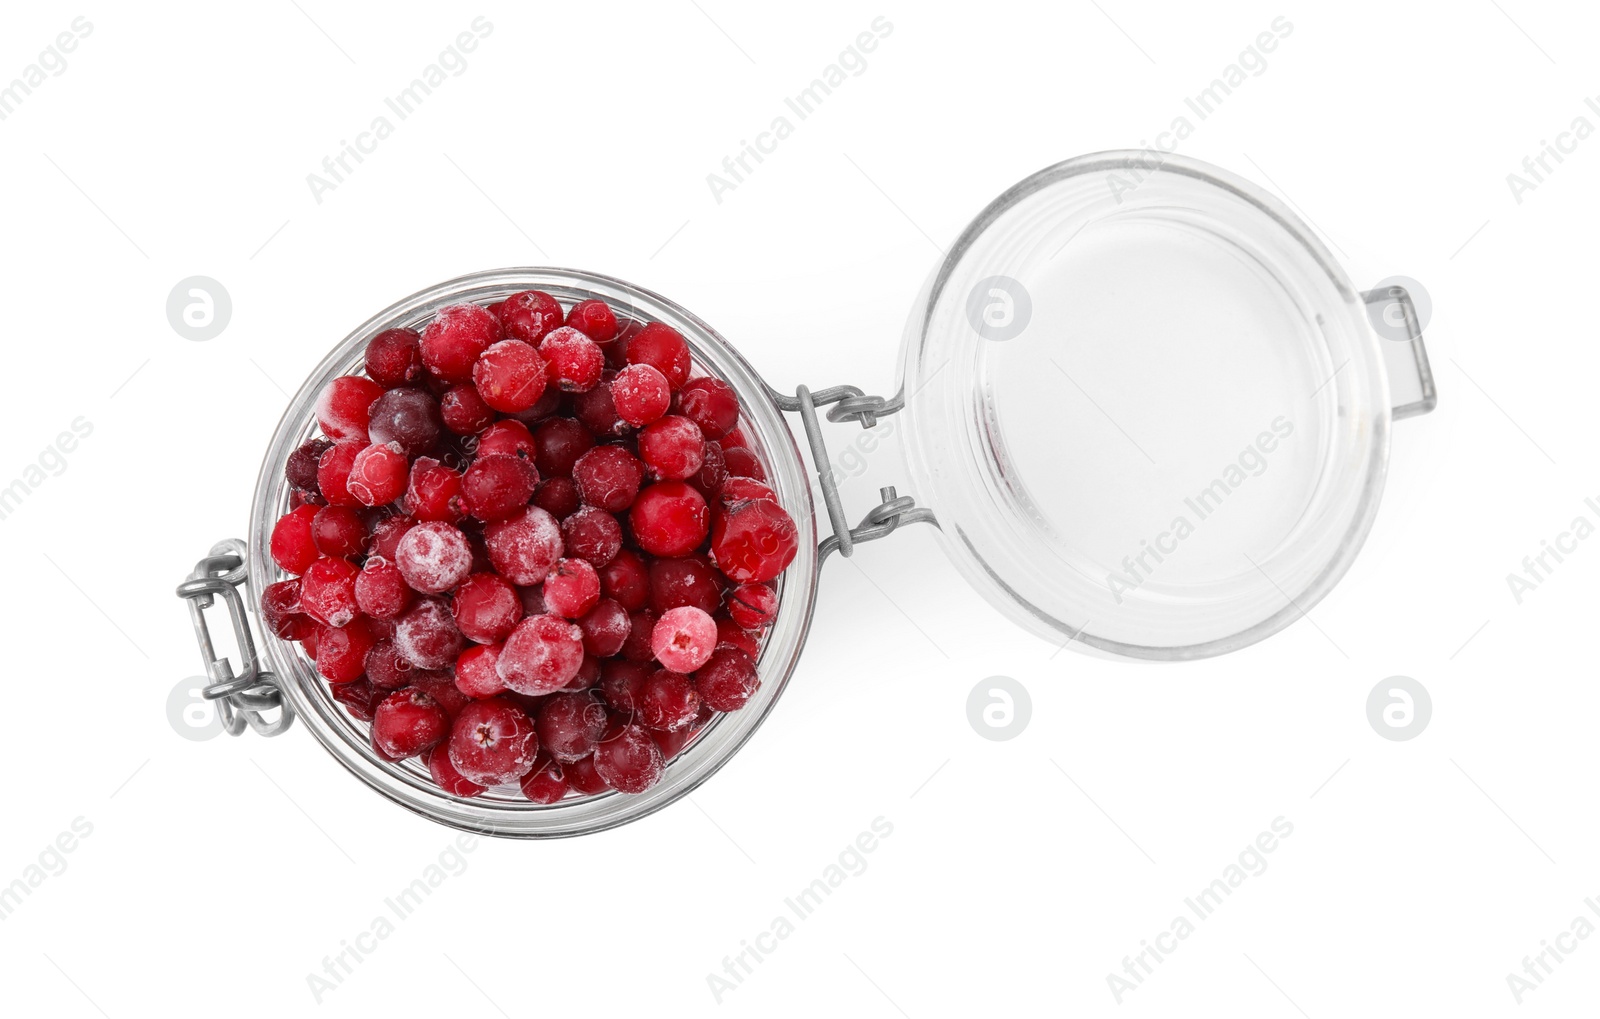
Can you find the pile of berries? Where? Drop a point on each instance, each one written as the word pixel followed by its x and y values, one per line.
pixel 530 546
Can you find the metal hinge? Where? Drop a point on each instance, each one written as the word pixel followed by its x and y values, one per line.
pixel 240 698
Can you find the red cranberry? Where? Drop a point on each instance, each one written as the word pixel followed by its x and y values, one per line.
pixel 292 545
pixel 510 376
pixel 574 360
pixel 407 722
pixel 572 588
pixel 386 667
pixel 409 418
pixel 627 579
pixel 301 467
pixel 640 394
pixel 752 540
pixel 378 475
pixel 495 487
pixel 588 674
pixel 690 580
pixel 711 404
pixel 753 606
pixel 570 725
pixel 445 775
pixel 605 627
pixel 673 741
pixel 530 315
pixel 713 471
pixel 493 742
pixel 394 358
pixel 559 442
pixel 597 412
pixel 338 532
pixel 683 638
pixel 672 448
pixel 341 651
pixel 463 410
pixel 486 608
pixel 641 626
pixel 359 698
pixel 542 655
pixel 664 349
pixel 594 319
pixel 621 681
pixel 434 557
pixel 742 463
pixel 342 406
pixel 386 535
pixel 667 701
pixel 453 341
pixel 524 547
pixel 509 437
pixel 441 686
pixel 328 592
pixel 557 496
pixel 476 674
pixel 732 634
pixel 727 680
pixel 381 589
pixel 630 761
pixel 582 776
pixel 546 783
pixel 281 614
pixel 608 477
pixel 433 491
pixel 333 472
pixel 427 635
pixel 671 519
pixel 593 535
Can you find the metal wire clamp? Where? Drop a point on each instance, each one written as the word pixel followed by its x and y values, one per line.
pixel 240 699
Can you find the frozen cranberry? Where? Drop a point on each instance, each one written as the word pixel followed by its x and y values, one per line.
pixel 731 634
pixel 292 544
pixel 594 319
pixel 597 412
pixel 486 607
pixel 333 472
pixel 608 477
pixel 427 635
pixel 641 627
pixel 640 394
pixel 592 535
pixel 689 580
pixel 670 518
pixel 434 557
pixel 711 404
pixel 386 667
pixel 684 638
pixel 495 487
pixel 394 358
pixel 605 627
pixel 386 535
pixel 381 589
pixel 507 437
pixel 433 491
pixel 672 448
pixel 582 777
pixel 530 315
pixel 407 417
pixel 673 741
pixel 359 698
pixel 557 496
pixel 752 540
pixel 338 531
pixel 572 588
pixel 523 547
pixel 407 722
pixel 453 341
pixel 546 783
pixel 542 655
pixel 570 725
pixel 558 443
pixel 341 651
pixel 281 613
pixel 445 775
pixel 667 701
pixel 301 467
pixel 630 761
pixel 441 686
pixel 664 349
pixel 493 742
pixel 574 361
pixel 378 475
pixel 621 681
pixel 476 675
pixel 728 680
pixel 742 463
pixel 735 440
pixel 328 592
pixel 463 411
pixel 588 674
pixel 342 406
pixel 510 376
pixel 713 471
pixel 627 579
pixel 753 606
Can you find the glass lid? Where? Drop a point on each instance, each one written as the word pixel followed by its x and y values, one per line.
pixel 1147 408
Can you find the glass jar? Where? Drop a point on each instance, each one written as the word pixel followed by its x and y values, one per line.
pixel 1190 313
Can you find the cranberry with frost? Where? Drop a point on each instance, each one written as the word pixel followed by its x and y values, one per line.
pixel 605 627
pixel 688 580
pixel 670 518
pixel 742 463
pixel 640 394
pixel 547 782
pixel 427 635
pixel 453 341
pixel 627 579
pixel 328 592
pixel 570 725
pixel 476 675
pixel 558 443
pixel 557 496
pixel 753 606
pixel 582 777
pixel 509 437
pixel 594 319
pixel 301 467
pixel 593 535
pixel 292 545
pixel 573 361
pixel 378 475
pixel 333 472
pixel 407 417
pixel 684 638
pixel 728 679
pixel 672 448
pixel 343 404
pixel 524 547
pixel 495 487
pixel 381 589
pixel 641 627
pixel 510 376
pixel 733 635
pixel 359 698
pixel 752 540
pixel 713 471
pixel 529 315
pixel 588 674
pixel 463 411
pixel 621 681
pixel 433 491
pixel 434 557
pixel 338 531
pixel 486 608
pixel 571 589
pixel 445 775
pixel 281 613
pixel 663 348
pixel 597 411
pixel 341 651
pixel 542 655
pixel 630 761
pixel 386 535
pixel 493 742
pixel 394 358
pixel 386 667
pixel 711 404
pixel 608 477
pixel 441 686
pixel 667 701
pixel 407 722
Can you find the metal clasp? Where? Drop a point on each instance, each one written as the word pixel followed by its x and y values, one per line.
pixel 849 403
pixel 240 698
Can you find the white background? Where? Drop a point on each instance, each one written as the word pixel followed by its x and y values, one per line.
pixel 1019 874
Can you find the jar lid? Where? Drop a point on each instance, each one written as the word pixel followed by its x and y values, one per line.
pixel 1147 407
